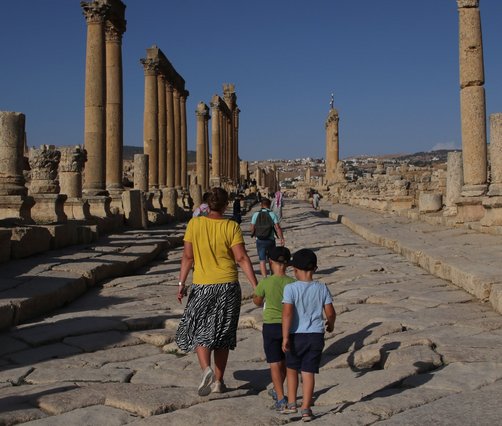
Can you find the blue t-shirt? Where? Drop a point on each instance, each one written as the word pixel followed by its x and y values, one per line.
pixel 308 299
pixel 274 217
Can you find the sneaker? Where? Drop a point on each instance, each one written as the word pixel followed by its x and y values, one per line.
pixel 279 405
pixel 289 408
pixel 206 382
pixel 218 387
pixel 272 393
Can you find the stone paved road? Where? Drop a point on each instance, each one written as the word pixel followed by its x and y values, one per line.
pixel 408 349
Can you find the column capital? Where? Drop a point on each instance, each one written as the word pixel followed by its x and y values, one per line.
pixel 176 93
pixel 94 12
pixel 44 163
pixel 467 3
pixel 113 34
pixel 169 86
pixel 202 110
pixel 73 158
pixel 150 65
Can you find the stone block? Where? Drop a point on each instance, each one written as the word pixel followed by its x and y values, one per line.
pixel 29 240
pixel 63 235
pixel 6 314
pixel 5 236
pixel 87 234
pixel 429 202
pixel 134 204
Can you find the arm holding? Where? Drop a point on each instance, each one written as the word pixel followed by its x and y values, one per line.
pixel 242 258
pixel 186 265
pixel 258 300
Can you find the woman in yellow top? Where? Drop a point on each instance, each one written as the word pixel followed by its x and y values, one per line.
pixel 212 245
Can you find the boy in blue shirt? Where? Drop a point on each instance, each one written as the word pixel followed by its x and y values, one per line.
pixel 304 302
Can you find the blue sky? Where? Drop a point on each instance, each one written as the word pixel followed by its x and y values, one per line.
pixel 392 64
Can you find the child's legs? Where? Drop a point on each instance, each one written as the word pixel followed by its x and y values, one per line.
pixel 278 373
pixel 308 380
pixel 292 376
pixel 272 345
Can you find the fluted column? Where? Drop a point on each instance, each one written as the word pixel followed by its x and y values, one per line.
pixel 215 137
pixel 161 86
pixel 177 138
pixel 472 99
pixel 95 98
pixel 150 123
pixel 114 108
pixel 183 140
pixel 170 135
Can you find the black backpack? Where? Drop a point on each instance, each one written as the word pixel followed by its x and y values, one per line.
pixel 264 225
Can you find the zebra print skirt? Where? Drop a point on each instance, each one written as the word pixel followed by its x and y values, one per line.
pixel 210 318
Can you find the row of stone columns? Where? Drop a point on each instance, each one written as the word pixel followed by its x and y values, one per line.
pixel 164 127
pixel 103 129
pixel 224 132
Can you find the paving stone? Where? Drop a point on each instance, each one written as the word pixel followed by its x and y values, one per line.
pixel 94 415
pixel 51 332
pixel 458 377
pixel 423 358
pixel 32 356
pixel 472 407
pixel 55 375
pixel 105 340
pixel 13 375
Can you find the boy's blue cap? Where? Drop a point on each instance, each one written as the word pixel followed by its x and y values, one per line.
pixel 304 259
pixel 279 254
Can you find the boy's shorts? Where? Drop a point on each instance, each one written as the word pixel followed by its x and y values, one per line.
pixel 305 350
pixel 262 246
pixel 272 342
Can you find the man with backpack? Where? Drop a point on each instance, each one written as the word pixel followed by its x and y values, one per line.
pixel 265 226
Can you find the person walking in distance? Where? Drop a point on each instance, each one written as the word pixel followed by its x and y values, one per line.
pixel 214 246
pixel 278 204
pixel 264 226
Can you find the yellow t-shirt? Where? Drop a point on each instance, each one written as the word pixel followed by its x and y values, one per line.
pixel 212 241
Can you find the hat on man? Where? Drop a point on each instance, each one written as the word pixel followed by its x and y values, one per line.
pixel 279 254
pixel 304 259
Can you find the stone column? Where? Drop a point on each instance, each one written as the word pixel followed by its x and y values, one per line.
pixel 44 186
pixel 215 136
pixel 454 181
pixel 170 135
pixel 472 99
pixel 14 202
pixel 95 98
pixel 236 145
pixel 71 166
pixel 223 146
pixel 332 144
pixel 201 113
pixel 177 138
pixel 183 139
pixel 496 154
pixel 205 186
pixel 141 172
pixel 114 108
pixel 150 123
pixel 244 171
pixel 161 85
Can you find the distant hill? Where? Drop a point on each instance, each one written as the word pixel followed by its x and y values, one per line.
pixel 129 152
